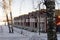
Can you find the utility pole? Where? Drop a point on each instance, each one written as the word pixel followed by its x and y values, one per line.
pixel 10 1
pixel 50 8
pixel 5 7
pixel 39 16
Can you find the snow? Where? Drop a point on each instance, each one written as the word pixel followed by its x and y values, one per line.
pixel 33 35
pixel 5 35
pixel 20 34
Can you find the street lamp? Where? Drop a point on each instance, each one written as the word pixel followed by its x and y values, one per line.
pixel 40 14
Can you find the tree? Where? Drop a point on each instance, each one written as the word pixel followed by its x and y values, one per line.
pixel 50 8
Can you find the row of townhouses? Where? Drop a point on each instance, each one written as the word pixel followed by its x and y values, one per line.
pixel 33 21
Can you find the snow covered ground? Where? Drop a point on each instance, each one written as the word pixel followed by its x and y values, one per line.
pixel 34 36
pixel 20 34
pixel 5 35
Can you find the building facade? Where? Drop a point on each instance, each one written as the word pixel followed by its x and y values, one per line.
pixel 33 21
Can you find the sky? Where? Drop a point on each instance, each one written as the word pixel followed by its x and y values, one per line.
pixel 21 7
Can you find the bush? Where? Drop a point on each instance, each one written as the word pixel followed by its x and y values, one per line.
pixel 32 31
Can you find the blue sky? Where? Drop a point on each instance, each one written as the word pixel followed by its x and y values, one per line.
pixel 20 7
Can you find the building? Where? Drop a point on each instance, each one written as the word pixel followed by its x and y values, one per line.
pixel 34 21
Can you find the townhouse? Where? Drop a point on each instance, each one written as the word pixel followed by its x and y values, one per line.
pixel 33 21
